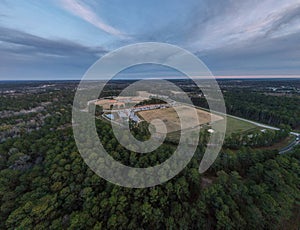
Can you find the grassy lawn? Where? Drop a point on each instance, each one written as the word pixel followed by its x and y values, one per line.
pixel 233 126
pixel 237 126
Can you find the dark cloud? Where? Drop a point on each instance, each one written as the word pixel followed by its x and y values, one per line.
pixel 188 25
pixel 23 55
pixel 33 43
pixel 258 56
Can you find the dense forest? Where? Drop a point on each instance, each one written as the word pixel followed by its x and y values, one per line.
pixel 45 184
pixel 257 138
pixel 273 110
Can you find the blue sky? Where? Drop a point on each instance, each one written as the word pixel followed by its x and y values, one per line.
pixel 60 39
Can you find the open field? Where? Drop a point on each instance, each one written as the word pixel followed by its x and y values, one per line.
pixel 238 126
pixel 119 102
pixel 170 117
pixel 106 103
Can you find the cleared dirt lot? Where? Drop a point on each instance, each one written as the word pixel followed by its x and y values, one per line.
pixel 171 119
pixel 119 102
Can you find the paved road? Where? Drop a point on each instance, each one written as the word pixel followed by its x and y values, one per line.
pixel 289 147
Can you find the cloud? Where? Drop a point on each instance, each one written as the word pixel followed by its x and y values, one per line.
pixel 19 41
pixel 88 15
pixel 203 25
pixel 235 21
pixel 24 55
pixel 282 25
pixel 278 55
pixel 231 37
pixel 243 37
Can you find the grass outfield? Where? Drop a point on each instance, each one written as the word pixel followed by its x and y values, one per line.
pixel 237 126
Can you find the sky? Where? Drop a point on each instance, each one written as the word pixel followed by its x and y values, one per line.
pixel 61 39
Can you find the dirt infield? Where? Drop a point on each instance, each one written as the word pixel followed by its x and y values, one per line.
pixel 170 117
pixel 119 102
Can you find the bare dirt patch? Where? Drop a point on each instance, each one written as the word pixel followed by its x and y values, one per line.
pixel 171 119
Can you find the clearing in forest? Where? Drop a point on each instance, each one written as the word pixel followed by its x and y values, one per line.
pixel 171 119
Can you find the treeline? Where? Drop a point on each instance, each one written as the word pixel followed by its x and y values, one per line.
pixel 273 110
pixel 151 101
pixel 256 138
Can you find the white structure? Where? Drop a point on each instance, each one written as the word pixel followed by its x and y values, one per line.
pixel 210 130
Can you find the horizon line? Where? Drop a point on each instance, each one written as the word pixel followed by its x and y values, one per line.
pixel 220 77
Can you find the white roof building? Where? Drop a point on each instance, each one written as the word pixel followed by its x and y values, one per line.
pixel 210 130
